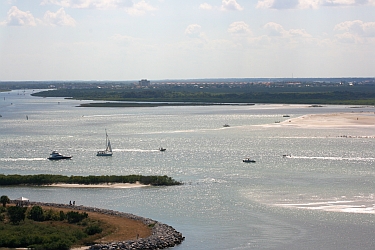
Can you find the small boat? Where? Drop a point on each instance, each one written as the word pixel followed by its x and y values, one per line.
pixel 162 149
pixel 57 156
pixel 248 160
pixel 108 149
pixel 286 115
pixel 287 156
pixel 226 126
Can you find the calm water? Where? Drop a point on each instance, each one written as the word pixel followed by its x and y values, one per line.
pixel 321 198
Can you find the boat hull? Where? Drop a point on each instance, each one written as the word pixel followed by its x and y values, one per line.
pixel 103 154
pixel 248 161
pixel 59 158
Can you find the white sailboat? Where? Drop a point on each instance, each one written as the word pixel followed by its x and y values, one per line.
pixel 108 149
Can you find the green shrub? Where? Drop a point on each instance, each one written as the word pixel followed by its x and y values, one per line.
pixel 51 214
pixel 16 214
pixel 4 200
pixel 93 229
pixel 3 209
pixel 36 213
pixel 75 217
pixel 62 216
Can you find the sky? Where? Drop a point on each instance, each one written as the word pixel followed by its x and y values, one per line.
pixel 45 40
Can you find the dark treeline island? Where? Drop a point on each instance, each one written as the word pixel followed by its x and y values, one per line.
pixel 349 91
pixel 360 97
pixel 47 179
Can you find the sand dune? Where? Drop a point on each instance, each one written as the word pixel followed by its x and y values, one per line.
pixel 110 185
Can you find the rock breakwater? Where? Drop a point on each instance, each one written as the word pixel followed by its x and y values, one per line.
pixel 163 236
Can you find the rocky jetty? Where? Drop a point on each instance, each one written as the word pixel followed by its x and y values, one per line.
pixel 163 236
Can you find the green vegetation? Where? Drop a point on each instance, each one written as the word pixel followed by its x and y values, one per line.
pixel 47 229
pixel 359 95
pixel 47 179
pixel 16 214
pixel 4 200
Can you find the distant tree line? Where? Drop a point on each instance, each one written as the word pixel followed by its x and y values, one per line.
pixel 47 179
pixel 345 95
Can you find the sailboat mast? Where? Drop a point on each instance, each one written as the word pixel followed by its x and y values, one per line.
pixel 106 139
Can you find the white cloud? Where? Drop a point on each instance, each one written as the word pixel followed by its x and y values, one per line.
pixel 278 4
pixel 194 31
pixel 357 27
pixel 18 17
pixel 59 18
pixel 230 5
pixel 205 6
pixel 347 38
pixel 310 4
pixel 140 8
pixel 124 40
pixel 239 28
pixel 132 8
pixel 276 30
pixel 355 31
pixel 87 4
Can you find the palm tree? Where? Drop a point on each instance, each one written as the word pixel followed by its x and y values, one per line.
pixel 4 200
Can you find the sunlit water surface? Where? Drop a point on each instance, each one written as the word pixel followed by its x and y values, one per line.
pixel 320 198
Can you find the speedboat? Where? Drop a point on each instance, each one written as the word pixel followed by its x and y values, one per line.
pixel 57 156
pixel 248 160
pixel 162 149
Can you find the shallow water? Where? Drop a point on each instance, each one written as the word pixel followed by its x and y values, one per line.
pixel 320 198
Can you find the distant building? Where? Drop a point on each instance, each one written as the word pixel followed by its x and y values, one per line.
pixel 144 83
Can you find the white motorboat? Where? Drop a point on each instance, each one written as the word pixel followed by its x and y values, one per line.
pixel 57 156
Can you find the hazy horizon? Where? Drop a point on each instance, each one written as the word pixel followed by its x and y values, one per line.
pixel 120 40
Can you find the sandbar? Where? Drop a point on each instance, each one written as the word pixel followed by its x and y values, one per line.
pixel 103 185
pixel 332 120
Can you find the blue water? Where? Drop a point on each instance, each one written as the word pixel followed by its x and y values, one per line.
pixel 321 198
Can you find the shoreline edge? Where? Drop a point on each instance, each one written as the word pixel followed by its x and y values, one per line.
pixel 162 236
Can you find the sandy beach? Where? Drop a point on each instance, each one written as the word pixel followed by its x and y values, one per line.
pixel 109 185
pixel 332 120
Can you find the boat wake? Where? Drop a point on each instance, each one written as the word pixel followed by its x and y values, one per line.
pixel 22 159
pixel 334 158
pixel 136 150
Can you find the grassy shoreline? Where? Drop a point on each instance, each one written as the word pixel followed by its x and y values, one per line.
pixel 49 230
pixel 48 179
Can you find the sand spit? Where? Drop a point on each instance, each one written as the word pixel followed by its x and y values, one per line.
pixel 109 185
pixel 332 120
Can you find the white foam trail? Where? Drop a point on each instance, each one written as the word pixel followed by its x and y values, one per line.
pixel 22 159
pixel 135 150
pixel 335 158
